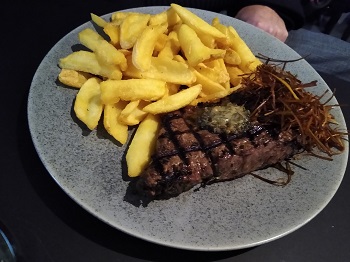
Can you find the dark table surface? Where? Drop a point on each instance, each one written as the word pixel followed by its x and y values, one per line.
pixel 44 224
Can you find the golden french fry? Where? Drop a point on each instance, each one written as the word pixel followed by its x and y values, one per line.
pixel 173 18
pixel 235 75
pixel 105 52
pixel 168 16
pixel 224 74
pixel 253 65
pixel 88 106
pixel 98 20
pixel 172 88
pixel 133 114
pixel 90 38
pixel 144 46
pixel 108 54
pixel 113 126
pixel 195 51
pixel 160 43
pixel 207 40
pixel 129 107
pixel 165 69
pixel 158 19
pixel 120 16
pixel 131 28
pixel 174 102
pixel 248 59
pixel 167 51
pixel 208 86
pixel 180 59
pixel 210 98
pixel 171 47
pixel 232 57
pixel 132 89
pixel 142 145
pixel 215 96
pixel 216 74
pixel 170 71
pixel 196 23
pixel 73 78
pixel 113 31
pixel 233 41
pixel 131 71
pixel 223 42
pixel 87 62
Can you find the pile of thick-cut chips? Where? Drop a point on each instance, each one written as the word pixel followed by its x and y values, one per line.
pixel 147 64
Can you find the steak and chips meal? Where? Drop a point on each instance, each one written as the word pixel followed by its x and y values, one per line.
pixel 205 108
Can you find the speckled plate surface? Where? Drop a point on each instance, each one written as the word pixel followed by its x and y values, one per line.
pixel 242 213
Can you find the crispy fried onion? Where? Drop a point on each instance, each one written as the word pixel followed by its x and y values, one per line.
pixel 282 99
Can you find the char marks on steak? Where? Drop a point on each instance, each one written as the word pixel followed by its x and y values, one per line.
pixel 186 156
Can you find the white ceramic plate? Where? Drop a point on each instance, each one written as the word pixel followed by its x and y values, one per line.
pixel 242 213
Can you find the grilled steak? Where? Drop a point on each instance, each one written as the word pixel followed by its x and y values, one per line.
pixel 268 120
pixel 187 155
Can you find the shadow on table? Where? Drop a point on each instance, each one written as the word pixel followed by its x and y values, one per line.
pixel 79 220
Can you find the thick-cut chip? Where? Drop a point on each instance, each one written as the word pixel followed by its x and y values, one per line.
pixel 196 23
pixel 172 88
pixel 168 16
pixel 132 89
pixel 114 127
pixel 235 75
pixel 131 71
pixel 158 19
pixel 108 54
pixel 88 106
pixel 90 38
pixel 144 46
pixel 207 40
pixel 223 42
pixel 180 59
pixel 113 31
pixel 133 114
pixel 170 71
pixel 232 57
pixel 171 47
pixel 165 69
pixel 142 145
pixel 195 51
pixel 215 96
pixel 233 41
pixel 105 52
pixel 216 74
pixel 120 16
pixel 98 20
pixel 87 62
pixel 131 28
pixel 248 60
pixel 129 107
pixel 173 18
pixel 208 86
pixel 73 78
pixel 160 43
pixel 174 102
pixel 225 75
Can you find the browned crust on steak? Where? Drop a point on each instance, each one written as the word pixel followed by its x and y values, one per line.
pixel 186 156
